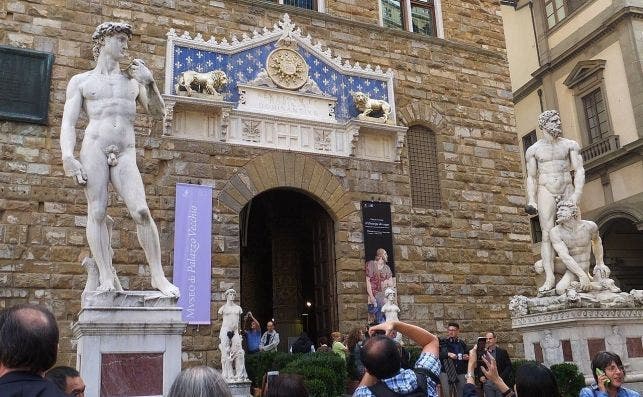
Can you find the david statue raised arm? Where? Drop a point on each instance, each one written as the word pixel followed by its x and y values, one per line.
pixel 108 95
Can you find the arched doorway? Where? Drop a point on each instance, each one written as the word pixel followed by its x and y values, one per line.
pixel 623 252
pixel 288 263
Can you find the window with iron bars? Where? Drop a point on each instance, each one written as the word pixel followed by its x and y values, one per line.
pixel 423 168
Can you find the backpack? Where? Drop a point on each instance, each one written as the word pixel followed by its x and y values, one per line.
pixel 381 390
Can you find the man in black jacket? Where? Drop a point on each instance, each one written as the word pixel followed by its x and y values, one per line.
pixel 28 347
pixel 503 363
pixel 454 356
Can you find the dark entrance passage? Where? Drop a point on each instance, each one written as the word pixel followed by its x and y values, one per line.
pixel 288 264
pixel 623 253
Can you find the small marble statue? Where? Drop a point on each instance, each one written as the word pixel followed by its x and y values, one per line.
pixel 550 163
pixel 390 308
pixel 615 342
pixel 108 95
pixel 553 354
pixel 209 83
pixel 232 355
pixel 366 105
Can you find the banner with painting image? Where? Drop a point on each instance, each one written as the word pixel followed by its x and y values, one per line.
pixel 379 264
pixel 193 251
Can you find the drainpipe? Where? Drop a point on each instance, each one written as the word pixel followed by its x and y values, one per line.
pixel 533 27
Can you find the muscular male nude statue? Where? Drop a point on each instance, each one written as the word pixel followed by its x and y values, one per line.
pixel 574 240
pixel 550 162
pixel 108 96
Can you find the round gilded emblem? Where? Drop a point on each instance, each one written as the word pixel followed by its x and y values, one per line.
pixel 287 68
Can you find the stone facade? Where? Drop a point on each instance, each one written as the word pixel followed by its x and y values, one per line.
pixel 461 262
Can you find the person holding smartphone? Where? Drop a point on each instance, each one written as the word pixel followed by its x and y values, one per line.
pixel 384 373
pixel 609 375
pixel 502 362
pixel 532 380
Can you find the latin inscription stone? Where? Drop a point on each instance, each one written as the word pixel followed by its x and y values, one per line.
pixel 24 84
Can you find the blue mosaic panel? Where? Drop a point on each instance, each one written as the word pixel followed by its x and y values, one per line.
pixel 245 65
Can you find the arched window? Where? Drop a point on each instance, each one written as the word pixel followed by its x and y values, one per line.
pixel 423 164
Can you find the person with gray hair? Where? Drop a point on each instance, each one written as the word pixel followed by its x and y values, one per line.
pixel 550 164
pixel 199 381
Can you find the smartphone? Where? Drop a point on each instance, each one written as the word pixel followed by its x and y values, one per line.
pixel 270 377
pixel 481 344
pixel 380 332
pixel 600 372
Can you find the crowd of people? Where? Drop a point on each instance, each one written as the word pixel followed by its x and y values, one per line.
pixel 29 338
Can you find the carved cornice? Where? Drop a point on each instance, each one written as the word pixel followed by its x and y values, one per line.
pixel 606 27
pixel 575 315
pixel 284 28
pixel 109 329
pixel 526 89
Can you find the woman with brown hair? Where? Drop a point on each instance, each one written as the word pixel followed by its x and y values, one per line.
pixel 354 345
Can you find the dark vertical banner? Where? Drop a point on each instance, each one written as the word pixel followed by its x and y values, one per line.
pixel 379 264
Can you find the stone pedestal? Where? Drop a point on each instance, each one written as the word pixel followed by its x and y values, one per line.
pixel 241 389
pixel 129 343
pixel 575 335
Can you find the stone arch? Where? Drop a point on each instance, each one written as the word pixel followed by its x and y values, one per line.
pixel 286 169
pixel 621 229
pixel 421 113
pixel 627 212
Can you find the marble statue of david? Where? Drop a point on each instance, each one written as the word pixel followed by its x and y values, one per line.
pixel 108 95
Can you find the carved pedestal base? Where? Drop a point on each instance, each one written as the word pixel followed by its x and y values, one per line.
pixel 240 388
pixel 128 343
pixel 576 335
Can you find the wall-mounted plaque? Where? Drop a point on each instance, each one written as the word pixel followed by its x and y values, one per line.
pixel 24 84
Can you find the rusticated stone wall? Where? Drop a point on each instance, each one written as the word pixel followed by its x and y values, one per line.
pixel 461 262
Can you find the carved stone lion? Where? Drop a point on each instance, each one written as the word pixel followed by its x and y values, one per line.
pixel 366 105
pixel 208 83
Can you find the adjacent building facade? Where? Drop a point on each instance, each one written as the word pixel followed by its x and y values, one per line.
pixel 288 179
pixel 583 58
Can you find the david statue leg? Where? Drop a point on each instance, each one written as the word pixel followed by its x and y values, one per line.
pixel 127 181
pixel 98 236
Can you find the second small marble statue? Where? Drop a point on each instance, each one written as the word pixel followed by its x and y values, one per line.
pixel 233 367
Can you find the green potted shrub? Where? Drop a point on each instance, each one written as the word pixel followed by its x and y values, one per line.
pixel 570 380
